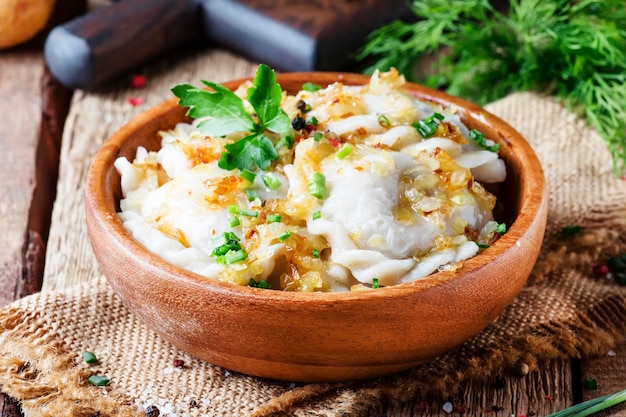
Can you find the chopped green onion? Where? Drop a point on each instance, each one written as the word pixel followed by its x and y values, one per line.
pixel 590 383
pixel 480 140
pixel 225 243
pixel 225 238
pixel 261 284
pixel 317 136
pixel 617 263
pixel 482 245
pixel 309 86
pixel 284 236
pixel 344 151
pixel 286 141
pixel 316 253
pixel 383 120
pixel 571 230
pixel 235 256
pixel 307 108
pixel 249 213
pixel 248 175
pixel 234 221
pixel 312 121
pixel 501 228
pixel 251 194
pixel 317 185
pixel 233 209
pixel 271 181
pixel 428 126
pixel 273 218
pixel 90 358
pixel 375 283
pixel 317 215
pixel 98 381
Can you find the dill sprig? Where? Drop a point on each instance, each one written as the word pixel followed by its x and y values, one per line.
pixel 574 50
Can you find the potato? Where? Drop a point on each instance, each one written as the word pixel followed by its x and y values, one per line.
pixel 21 20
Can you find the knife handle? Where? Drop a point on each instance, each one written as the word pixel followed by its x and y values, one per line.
pixel 111 40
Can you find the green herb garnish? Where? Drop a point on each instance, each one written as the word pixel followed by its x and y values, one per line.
pixel 251 194
pixel 227 249
pixel 234 221
pixel 248 175
pixel 260 284
pixel 273 218
pixel 480 140
pixel 482 245
pixel 271 181
pixel 312 121
pixel 428 126
pixel 308 86
pixel 315 253
pixel 344 151
pixel 98 380
pixel 233 256
pixel 317 214
pixel 375 283
pixel 284 236
pixel 574 50
pixel 286 141
pixel 90 358
pixel 249 213
pixel 590 383
pixel 317 185
pixel 571 230
pixel 501 228
pixel 223 113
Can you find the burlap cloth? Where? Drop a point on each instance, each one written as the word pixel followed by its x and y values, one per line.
pixel 563 311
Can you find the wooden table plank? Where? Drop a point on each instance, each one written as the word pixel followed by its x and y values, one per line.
pixel 20 121
pixel 609 371
pixel 538 393
pixel 32 114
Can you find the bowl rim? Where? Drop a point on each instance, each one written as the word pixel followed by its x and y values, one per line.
pixel 534 190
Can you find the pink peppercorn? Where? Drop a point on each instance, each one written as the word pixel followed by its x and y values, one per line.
pixel 600 270
pixel 138 81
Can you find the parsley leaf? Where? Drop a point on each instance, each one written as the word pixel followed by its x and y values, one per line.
pixel 223 109
pixel 256 148
pixel 265 97
pixel 223 112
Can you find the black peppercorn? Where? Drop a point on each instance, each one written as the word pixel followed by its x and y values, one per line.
pixel 152 411
pixel 301 105
pixel 298 123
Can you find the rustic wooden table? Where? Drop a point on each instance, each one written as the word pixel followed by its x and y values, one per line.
pixel 50 134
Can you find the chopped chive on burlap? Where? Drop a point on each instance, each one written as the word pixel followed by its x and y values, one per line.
pixel 563 311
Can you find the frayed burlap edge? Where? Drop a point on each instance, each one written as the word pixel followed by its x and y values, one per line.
pixel 44 377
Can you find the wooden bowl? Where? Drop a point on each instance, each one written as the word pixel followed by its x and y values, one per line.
pixel 318 336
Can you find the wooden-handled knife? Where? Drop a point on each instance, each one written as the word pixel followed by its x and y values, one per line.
pixel 288 35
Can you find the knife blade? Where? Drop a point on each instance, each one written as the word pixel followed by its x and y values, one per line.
pixel 288 35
